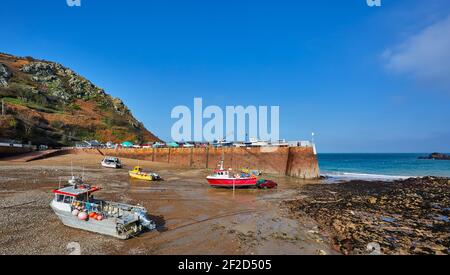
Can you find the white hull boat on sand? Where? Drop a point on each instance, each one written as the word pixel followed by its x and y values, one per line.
pixel 76 207
pixel 111 162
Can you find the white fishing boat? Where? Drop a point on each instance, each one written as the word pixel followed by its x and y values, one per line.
pixel 111 162
pixel 76 207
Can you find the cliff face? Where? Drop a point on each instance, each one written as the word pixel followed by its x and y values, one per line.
pixel 47 103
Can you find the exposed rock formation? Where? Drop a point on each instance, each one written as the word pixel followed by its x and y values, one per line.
pixel 48 103
pixel 5 75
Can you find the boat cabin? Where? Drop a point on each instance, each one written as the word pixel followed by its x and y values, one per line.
pixel 111 160
pixel 64 197
pixel 137 169
pixel 222 173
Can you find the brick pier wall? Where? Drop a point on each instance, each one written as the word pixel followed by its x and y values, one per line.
pixel 299 162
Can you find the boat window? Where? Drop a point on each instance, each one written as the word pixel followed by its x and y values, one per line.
pixel 68 199
pixel 80 198
pixel 59 198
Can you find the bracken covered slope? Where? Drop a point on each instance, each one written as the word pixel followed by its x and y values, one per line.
pixel 47 103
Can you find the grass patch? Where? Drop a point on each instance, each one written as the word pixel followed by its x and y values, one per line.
pixel 31 105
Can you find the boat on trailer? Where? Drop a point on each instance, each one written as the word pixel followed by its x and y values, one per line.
pixel 76 207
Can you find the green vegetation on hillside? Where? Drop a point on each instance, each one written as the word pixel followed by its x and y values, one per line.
pixel 53 105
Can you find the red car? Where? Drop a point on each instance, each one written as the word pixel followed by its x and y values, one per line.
pixel 266 184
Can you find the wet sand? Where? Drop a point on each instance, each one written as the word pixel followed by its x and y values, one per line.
pixel 192 218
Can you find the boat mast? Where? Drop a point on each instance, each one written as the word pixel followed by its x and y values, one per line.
pixel 223 151
pixel 223 159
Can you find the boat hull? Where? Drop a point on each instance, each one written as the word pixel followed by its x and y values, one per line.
pixel 115 166
pixel 141 177
pixel 229 183
pixel 106 227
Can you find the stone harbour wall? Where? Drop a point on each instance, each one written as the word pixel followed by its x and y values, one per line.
pixel 298 162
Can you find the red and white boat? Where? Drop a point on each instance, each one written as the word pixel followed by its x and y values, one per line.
pixel 225 178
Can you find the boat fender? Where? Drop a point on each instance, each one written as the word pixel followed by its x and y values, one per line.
pixel 75 212
pixel 82 216
pixel 99 218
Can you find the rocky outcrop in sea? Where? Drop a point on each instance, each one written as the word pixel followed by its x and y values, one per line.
pixel 437 156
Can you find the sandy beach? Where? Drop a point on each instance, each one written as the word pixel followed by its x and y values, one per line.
pixel 192 218
pixel 300 217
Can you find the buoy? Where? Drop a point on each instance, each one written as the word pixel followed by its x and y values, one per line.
pixel 83 216
pixel 91 215
pixel 99 217
pixel 95 216
pixel 75 212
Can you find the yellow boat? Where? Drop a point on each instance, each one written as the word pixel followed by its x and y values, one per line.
pixel 138 173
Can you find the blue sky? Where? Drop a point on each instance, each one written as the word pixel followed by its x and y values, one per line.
pixel 363 79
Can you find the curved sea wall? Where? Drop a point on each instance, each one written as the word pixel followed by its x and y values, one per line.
pixel 302 163
pixel 299 162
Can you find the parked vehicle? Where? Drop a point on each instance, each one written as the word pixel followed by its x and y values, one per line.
pixel 266 184
pixel 173 145
pixel 127 144
pixel 257 143
pixel 159 145
pixel 222 143
pixel 239 144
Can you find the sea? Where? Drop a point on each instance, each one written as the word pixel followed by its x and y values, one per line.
pixel 380 166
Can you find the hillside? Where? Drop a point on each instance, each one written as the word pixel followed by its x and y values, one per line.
pixel 47 103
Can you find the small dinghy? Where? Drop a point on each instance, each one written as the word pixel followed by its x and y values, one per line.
pixel 111 162
pixel 138 173
pixel 76 207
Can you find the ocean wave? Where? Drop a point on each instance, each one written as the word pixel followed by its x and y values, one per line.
pixel 361 176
